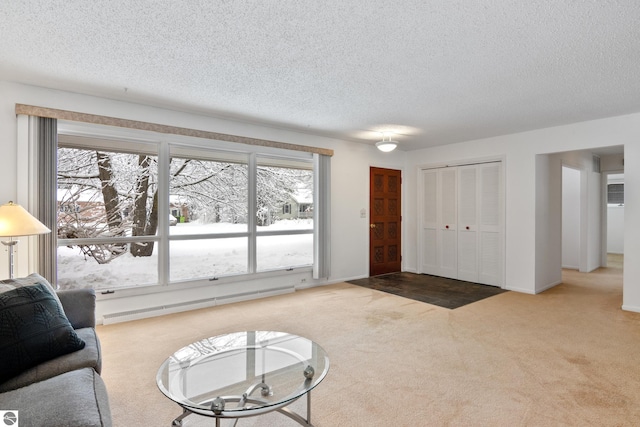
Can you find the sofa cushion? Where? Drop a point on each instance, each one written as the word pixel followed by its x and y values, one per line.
pixel 33 329
pixel 88 357
pixel 73 399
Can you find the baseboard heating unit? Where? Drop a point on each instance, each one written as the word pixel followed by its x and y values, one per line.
pixel 143 313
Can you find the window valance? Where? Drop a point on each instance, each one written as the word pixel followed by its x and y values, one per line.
pixel 53 113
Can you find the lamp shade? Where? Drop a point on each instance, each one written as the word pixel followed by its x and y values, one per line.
pixel 16 221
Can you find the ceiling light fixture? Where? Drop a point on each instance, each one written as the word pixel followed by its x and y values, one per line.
pixel 387 144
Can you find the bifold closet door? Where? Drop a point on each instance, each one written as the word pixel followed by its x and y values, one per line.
pixel 490 224
pixel 440 222
pixel 468 223
pixel 448 222
pixel 429 223
pixel 462 223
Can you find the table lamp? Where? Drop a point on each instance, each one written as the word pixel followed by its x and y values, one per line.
pixel 15 221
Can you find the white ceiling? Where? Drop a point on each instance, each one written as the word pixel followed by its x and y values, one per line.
pixel 431 71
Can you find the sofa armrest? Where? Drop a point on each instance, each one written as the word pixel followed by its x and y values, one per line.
pixel 80 307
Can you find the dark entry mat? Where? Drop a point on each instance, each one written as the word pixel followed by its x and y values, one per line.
pixel 440 291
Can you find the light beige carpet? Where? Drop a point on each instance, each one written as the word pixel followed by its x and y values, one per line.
pixel 569 356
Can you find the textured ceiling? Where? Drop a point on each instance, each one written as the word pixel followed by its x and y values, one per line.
pixel 432 71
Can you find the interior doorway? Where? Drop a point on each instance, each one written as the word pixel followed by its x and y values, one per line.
pixel 614 217
pixel 385 221
pixel 589 222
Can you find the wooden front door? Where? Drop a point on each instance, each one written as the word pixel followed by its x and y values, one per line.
pixel 385 221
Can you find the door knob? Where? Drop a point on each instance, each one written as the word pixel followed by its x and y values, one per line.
pixel 372 226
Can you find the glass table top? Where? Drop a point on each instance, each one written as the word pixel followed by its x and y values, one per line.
pixel 242 373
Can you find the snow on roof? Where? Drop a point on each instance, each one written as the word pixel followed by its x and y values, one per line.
pixel 175 199
pixel 303 196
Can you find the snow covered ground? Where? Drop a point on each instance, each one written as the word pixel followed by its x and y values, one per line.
pixel 190 259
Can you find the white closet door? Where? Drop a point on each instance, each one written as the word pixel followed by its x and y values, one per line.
pixel 448 222
pixel 490 224
pixel 468 223
pixel 429 236
pixel 462 223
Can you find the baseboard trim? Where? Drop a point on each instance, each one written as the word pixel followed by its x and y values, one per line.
pixel 633 308
pixel 547 287
pixel 521 290
pixel 534 292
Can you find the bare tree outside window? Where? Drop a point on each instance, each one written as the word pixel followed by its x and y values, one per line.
pixel 105 194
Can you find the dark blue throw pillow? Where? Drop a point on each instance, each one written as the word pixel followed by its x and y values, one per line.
pixel 33 329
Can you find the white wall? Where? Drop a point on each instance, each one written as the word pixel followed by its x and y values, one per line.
pixel 631 300
pixel 595 202
pixel 350 187
pixel 548 237
pixel 526 177
pixel 615 229
pixel 570 218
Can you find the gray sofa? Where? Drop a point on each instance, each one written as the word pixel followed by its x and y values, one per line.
pixel 63 391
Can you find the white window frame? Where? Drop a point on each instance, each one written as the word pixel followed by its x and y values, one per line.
pixel 164 144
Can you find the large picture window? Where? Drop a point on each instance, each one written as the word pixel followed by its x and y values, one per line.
pixel 284 239
pixel 210 192
pixel 134 214
pixel 107 217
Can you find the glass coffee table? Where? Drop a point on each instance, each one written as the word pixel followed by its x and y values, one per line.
pixel 243 374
